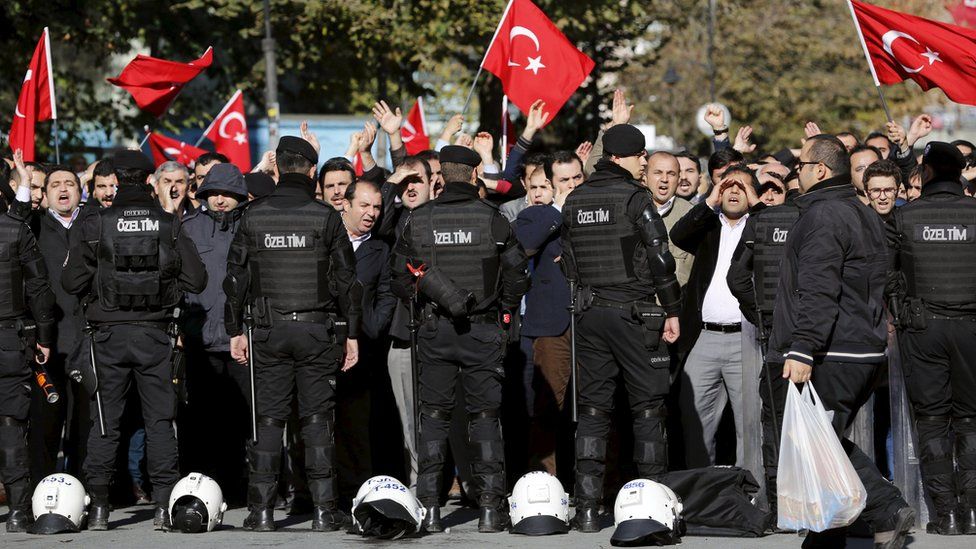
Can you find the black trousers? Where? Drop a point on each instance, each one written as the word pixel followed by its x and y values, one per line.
pixel 611 345
pixel 940 376
pixel 473 353
pixel 843 389
pixel 354 460
pixel 127 353
pixel 294 359
pixel 15 395
pixel 47 422
pixel 215 424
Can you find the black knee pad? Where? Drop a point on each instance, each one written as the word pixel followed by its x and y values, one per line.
pixel 14 458
pixel 965 442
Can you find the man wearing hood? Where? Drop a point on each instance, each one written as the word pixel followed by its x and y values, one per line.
pixel 216 385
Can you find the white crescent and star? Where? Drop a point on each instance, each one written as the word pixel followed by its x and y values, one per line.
pixel 534 63
pixel 239 137
pixel 27 78
pixel 888 39
pixel 409 132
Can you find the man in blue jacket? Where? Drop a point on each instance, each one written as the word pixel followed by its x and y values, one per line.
pixel 216 385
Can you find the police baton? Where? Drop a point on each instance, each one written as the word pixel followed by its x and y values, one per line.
pixel 572 351
pixel 249 322
pixel 763 349
pixel 414 326
pixel 97 390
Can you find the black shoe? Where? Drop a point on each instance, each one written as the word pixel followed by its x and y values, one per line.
pixel 493 519
pixel 967 525
pixel 328 519
pixel 260 520
pixel 161 520
pixel 587 520
pixel 140 494
pixel 98 516
pixel 432 520
pixel 944 524
pixel 904 521
pixel 18 521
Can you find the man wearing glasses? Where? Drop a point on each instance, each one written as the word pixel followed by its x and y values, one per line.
pixel 881 182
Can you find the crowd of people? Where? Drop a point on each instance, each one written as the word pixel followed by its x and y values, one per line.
pixel 400 321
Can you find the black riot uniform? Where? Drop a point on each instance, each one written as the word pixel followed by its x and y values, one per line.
pixel 934 296
pixel 131 267
pixel 292 263
pixel 475 273
pixel 753 279
pixel 615 246
pixel 24 289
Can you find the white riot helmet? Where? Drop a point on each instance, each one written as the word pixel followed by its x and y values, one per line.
pixel 538 505
pixel 646 513
pixel 59 504
pixel 386 509
pixel 196 504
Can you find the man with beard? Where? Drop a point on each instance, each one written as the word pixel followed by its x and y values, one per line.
pixel 217 386
pixel 203 164
pixel 334 176
pixel 354 388
pixel 689 175
pixel 772 183
pixel 104 183
pixel 862 156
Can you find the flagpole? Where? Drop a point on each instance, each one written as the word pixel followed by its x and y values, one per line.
pixel 867 56
pixel 221 113
pixel 146 138
pixel 504 153
pixel 481 67
pixel 54 107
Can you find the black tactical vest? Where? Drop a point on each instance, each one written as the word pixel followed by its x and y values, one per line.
pixel 456 239
pixel 289 258
pixel 772 226
pixel 938 251
pixel 12 302
pixel 604 240
pixel 138 264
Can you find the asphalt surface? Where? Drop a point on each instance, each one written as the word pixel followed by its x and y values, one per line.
pixel 132 527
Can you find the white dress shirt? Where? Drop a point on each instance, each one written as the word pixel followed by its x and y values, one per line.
pixel 719 305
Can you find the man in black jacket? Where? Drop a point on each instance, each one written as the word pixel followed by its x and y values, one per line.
pixel 829 324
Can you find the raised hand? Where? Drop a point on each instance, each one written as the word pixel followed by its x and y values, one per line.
pixel 452 127
pixel 921 127
pixel 584 150
pixel 484 145
pixel 811 129
pixel 367 137
pixel 743 142
pixel 620 111
pixel 715 116
pixel 309 136
pixel 536 118
pixel 387 118
pixel 464 140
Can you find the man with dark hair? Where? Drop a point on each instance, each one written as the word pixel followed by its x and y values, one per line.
pixel 130 268
pixel 828 326
pixel 103 185
pixel 881 183
pixel 933 293
pixel 862 156
pixel 217 386
pixel 689 175
pixel 849 140
pixel 336 174
pixel 474 277
pixel 615 246
pixel 532 162
pixel 432 158
pixel 204 163
pixel 305 292
pixel 720 160
pixel 881 142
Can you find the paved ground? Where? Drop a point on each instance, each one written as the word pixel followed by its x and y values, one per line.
pixel 132 527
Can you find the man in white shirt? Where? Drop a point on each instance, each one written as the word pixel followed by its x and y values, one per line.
pixel 712 374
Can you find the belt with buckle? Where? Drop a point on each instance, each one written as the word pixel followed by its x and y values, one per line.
pixel 722 328
pixel 320 317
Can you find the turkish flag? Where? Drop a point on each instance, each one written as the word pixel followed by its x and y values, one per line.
pixel 414 132
pixel 932 53
pixel 36 101
pixel 166 148
pixel 964 12
pixel 229 133
pixel 155 83
pixel 534 60
pixel 357 164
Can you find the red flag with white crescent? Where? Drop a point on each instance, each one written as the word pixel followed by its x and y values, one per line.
pixel 228 132
pixel 414 131
pixel 155 83
pixel 36 102
pixel 166 148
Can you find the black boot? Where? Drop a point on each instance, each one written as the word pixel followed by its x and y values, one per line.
pixel 260 520
pixel 945 524
pixel 18 497
pixel 99 509
pixel 328 518
pixel 494 518
pixel 161 520
pixel 967 523
pixel 587 519
pixel 895 532
pixel 432 520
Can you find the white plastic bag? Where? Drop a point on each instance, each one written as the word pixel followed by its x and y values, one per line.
pixel 817 487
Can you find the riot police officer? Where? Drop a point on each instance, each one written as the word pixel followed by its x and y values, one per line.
pixel 292 264
pixel 934 294
pixel 473 276
pixel 615 248
pixel 753 279
pixel 131 268
pixel 23 288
